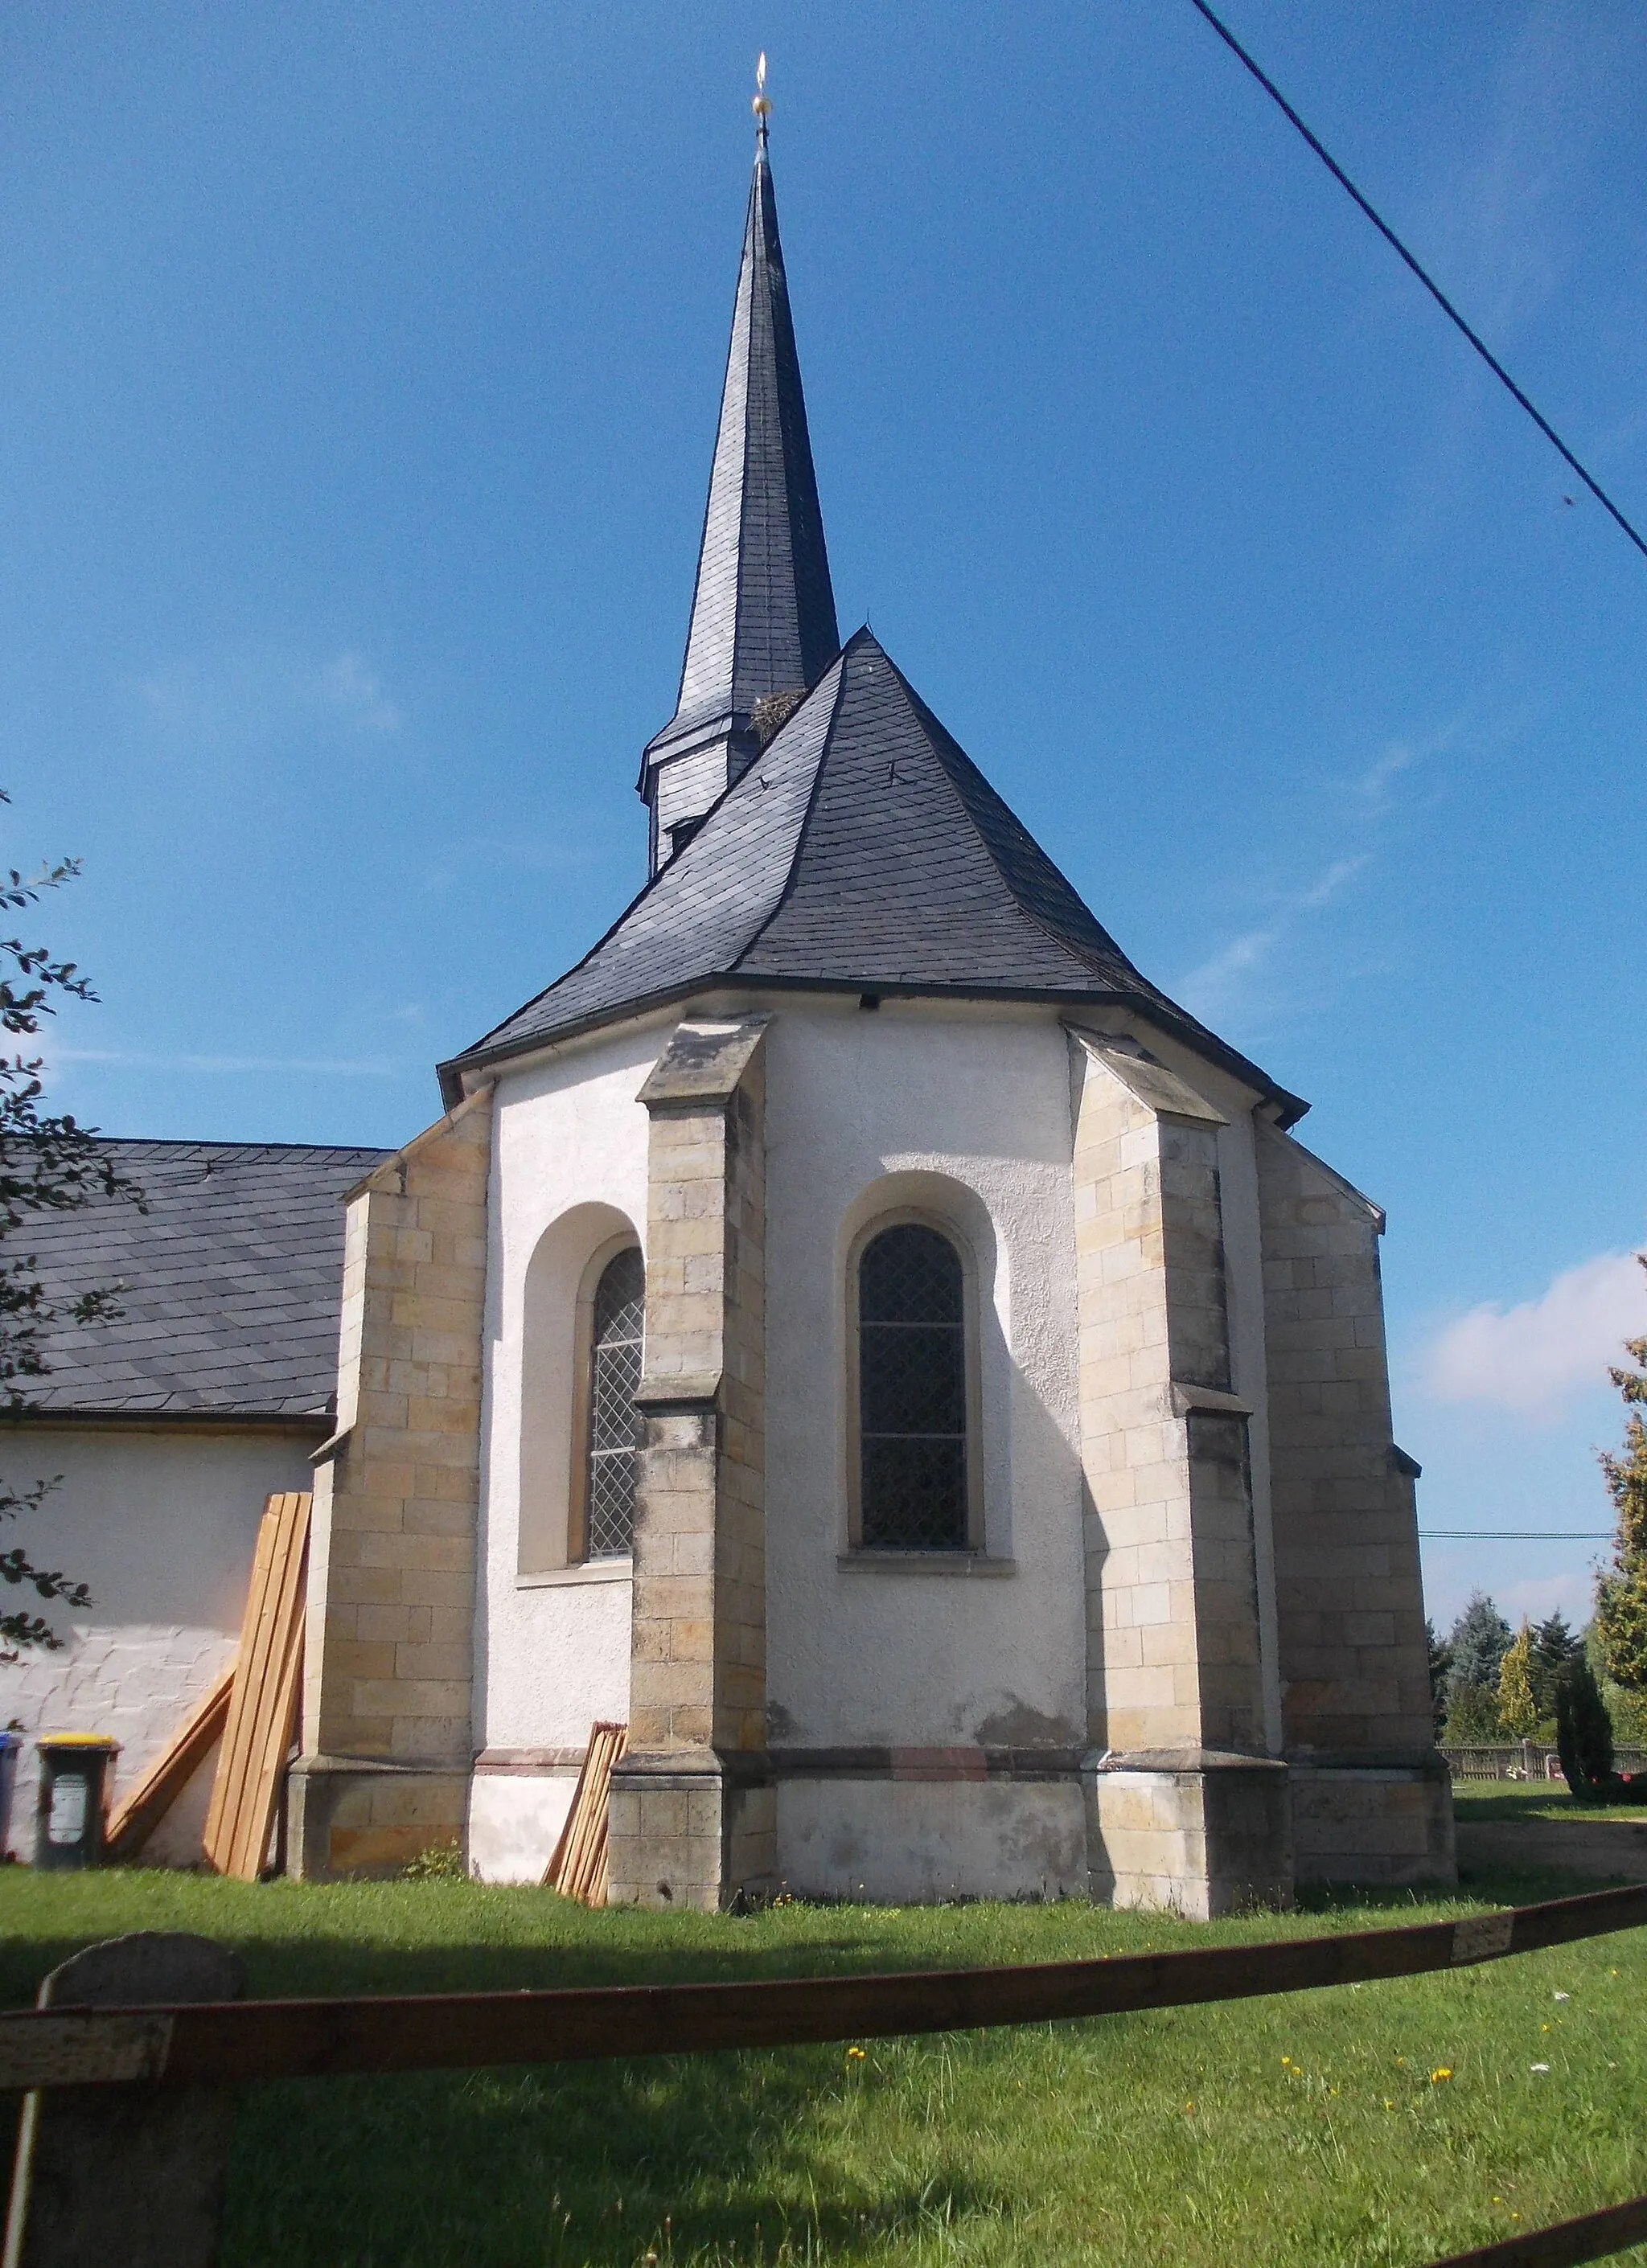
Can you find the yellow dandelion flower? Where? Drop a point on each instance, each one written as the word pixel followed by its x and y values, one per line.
pixel 1442 2071
pixel 855 2055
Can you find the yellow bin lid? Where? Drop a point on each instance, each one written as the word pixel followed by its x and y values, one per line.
pixel 77 1741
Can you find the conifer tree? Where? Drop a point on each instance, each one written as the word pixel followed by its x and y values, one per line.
pixel 1583 1734
pixel 1479 1640
pixel 1621 1593
pixel 1477 1643
pixel 1518 1708
pixel 1440 1670
pixel 1554 1644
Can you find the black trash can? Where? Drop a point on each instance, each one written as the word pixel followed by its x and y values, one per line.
pixel 69 1821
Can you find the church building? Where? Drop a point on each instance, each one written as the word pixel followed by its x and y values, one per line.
pixel 859 1333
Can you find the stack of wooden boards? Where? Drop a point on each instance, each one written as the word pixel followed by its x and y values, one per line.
pixel 578 1868
pixel 253 1710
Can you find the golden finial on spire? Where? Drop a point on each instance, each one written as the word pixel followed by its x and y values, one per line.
pixel 762 104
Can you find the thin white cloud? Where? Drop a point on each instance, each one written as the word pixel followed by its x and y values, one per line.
pixel 1216 987
pixel 1371 786
pixel 246 698
pixel 352 689
pixel 1534 1358
pixel 1323 892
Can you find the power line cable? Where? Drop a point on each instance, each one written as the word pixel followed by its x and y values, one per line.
pixel 1514 1536
pixel 1424 277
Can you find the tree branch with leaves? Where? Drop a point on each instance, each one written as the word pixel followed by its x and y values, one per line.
pixel 1621 1590
pixel 48 1164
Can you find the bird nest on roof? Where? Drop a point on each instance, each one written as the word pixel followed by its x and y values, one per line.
pixel 772 711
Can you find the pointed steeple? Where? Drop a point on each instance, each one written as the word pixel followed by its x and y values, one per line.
pixel 762 621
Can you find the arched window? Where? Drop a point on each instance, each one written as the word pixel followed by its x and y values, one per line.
pixel 615 1347
pixel 911 1392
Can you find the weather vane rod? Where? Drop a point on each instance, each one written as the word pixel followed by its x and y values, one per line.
pixel 762 104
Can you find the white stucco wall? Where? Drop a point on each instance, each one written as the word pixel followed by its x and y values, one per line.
pixel 569 1171
pixel 965 1112
pixel 514 1823
pixel 962 1111
pixel 161 1524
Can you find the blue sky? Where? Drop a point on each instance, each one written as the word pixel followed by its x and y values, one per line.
pixel 362 365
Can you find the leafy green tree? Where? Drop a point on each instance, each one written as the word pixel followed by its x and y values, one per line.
pixel 1517 1708
pixel 1622 1591
pixel 48 1163
pixel 1472 1715
pixel 1628 1711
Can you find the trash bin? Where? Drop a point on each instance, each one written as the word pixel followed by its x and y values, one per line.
pixel 68 1823
pixel 10 1748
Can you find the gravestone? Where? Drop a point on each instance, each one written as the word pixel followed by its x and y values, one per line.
pixel 126 2176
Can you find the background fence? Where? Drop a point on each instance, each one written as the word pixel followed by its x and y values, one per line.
pixel 1523 1760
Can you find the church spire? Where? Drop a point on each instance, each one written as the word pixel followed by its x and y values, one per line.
pixel 763 623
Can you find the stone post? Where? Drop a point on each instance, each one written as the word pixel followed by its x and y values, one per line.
pixel 1185 1809
pixel 693 1819
pixel 386 1740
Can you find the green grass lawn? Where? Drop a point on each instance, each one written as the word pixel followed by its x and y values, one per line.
pixel 1387 2123
pixel 1509 1799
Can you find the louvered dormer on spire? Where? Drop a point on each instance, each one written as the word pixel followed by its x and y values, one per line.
pixel 763 627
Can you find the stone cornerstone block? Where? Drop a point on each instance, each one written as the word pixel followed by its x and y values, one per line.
pixel 1193 1831
pixel 392 1555
pixel 693 1818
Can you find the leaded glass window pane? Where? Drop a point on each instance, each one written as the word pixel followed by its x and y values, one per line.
pixel 911 1391
pixel 620 1302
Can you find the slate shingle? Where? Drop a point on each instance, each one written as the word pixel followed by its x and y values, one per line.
pixel 234 1275
pixel 863 851
pixel 763 617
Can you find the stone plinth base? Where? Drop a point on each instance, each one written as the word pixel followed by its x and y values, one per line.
pixel 690 1827
pixel 909 1840
pixel 369 1816
pixel 1373 1819
pixel 1193 1830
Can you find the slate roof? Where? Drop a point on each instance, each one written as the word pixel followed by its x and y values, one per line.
pixel 863 851
pixel 234 1272
pixel 763 609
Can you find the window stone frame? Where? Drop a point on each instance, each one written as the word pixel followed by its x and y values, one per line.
pixel 973 1548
